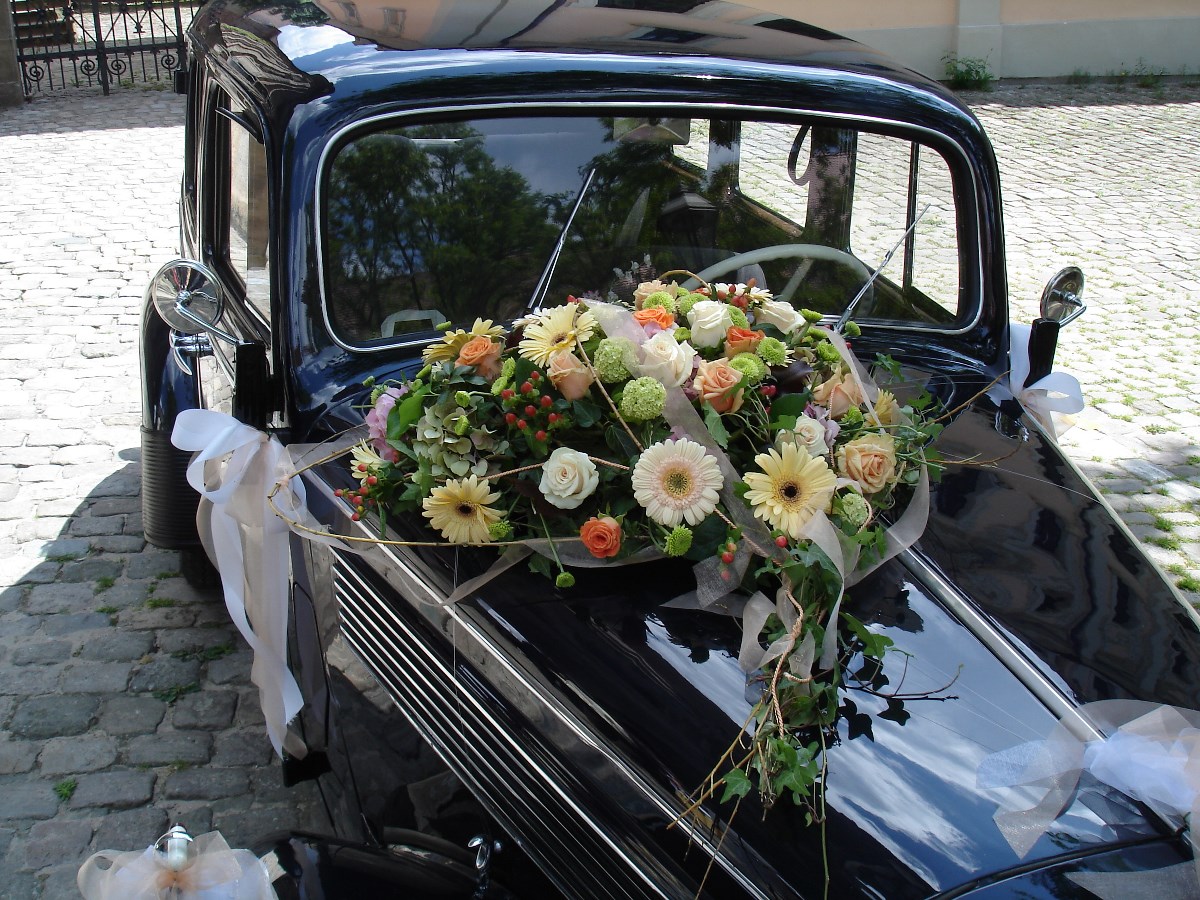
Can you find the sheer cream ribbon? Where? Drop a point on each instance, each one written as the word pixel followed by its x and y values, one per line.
pixel 216 873
pixel 234 470
pixel 1151 753
pixel 1058 392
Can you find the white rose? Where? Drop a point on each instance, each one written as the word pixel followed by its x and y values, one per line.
pixel 779 313
pixel 709 320
pixel 808 433
pixel 667 360
pixel 568 478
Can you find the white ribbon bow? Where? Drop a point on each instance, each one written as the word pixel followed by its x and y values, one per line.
pixel 216 873
pixel 1057 392
pixel 234 471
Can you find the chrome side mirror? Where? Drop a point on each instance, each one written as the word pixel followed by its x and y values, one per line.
pixel 1061 300
pixel 189 298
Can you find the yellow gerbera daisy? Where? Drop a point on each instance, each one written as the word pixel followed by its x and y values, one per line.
pixel 460 511
pixel 555 330
pixel 453 341
pixel 791 488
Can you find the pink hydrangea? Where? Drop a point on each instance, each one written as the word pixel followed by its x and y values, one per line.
pixel 377 421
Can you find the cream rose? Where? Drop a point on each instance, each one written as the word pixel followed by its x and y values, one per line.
pixel 838 394
pixel 709 320
pixel 807 433
pixel 568 373
pixel 716 383
pixel 869 460
pixel 779 313
pixel 568 478
pixel 667 360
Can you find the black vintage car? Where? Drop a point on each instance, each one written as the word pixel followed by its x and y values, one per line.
pixel 358 174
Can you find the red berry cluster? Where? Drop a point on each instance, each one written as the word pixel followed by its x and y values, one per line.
pixel 528 409
pixel 360 500
pixel 728 551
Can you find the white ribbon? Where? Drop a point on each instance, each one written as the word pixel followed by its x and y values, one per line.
pixel 1151 753
pixel 234 470
pixel 1058 392
pixel 216 873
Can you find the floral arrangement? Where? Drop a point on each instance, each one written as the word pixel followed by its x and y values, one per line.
pixel 716 423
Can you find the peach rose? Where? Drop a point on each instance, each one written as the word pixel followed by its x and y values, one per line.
pixel 602 536
pixel 656 315
pixel 482 354
pixel 741 340
pixel 646 288
pixel 869 460
pixel 838 394
pixel 717 383
pixel 568 373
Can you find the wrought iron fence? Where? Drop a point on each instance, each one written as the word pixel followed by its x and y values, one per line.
pixel 85 43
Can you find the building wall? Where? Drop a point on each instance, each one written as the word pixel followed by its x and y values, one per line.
pixel 1019 38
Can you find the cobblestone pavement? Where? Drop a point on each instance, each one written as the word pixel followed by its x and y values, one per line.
pixel 125 698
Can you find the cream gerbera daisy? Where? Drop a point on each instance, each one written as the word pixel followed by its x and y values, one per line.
pixel 791 488
pixel 556 330
pixel 366 461
pixel 677 481
pixel 452 342
pixel 460 511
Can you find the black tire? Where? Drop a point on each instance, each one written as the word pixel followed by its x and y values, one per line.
pixel 197 569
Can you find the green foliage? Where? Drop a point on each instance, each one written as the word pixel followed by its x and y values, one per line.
pixel 103 584
pixel 206 654
pixel 968 73
pixel 175 691
pixel 159 602
pixel 65 789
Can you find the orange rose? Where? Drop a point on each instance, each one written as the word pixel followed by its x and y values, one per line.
pixel 838 394
pixel 717 383
pixel 741 340
pixel 657 315
pixel 602 536
pixel 870 460
pixel 568 373
pixel 482 354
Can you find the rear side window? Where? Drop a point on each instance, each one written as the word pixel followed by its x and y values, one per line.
pixel 446 222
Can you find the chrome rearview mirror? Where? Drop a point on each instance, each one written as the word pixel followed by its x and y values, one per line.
pixel 189 298
pixel 1062 299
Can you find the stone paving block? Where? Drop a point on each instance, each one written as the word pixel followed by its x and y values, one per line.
pixel 22 798
pixel 69 756
pixel 123 596
pixel 65 548
pixel 17 756
pixel 42 653
pixel 52 843
pixel 75 622
pixel 27 681
pixel 168 748
pixel 96 677
pixel 58 598
pixel 118 543
pixel 238 748
pixel 118 646
pixel 153 563
pixel 164 673
pixel 53 716
pixel 42 573
pixel 205 784
pixel 92 569
pixel 126 714
pixel 130 829
pixel 122 789
pixel 206 710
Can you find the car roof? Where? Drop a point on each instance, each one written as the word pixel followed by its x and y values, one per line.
pixel 327 39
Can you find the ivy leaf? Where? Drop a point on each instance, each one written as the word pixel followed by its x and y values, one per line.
pixel 406 412
pixel 586 412
pixel 737 784
pixel 859 723
pixel 712 421
pixel 791 405
pixel 896 712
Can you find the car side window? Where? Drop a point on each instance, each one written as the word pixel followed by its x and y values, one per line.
pixel 243 225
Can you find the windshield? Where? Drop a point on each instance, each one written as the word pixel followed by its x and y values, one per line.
pixel 429 223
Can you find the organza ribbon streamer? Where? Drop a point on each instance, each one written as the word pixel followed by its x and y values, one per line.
pixel 216 873
pixel 234 470
pixel 1058 392
pixel 1150 752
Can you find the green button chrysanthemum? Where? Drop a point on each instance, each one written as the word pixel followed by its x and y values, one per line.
pixel 738 317
pixel 679 541
pixel 659 298
pixel 642 400
pixel 772 351
pixel 684 304
pixel 749 365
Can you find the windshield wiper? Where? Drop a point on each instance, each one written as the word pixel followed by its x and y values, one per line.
pixel 543 285
pixel 887 258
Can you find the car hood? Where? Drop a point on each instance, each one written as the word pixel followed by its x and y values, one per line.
pixel 1021 544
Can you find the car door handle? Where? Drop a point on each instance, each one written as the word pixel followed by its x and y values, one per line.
pixel 189 345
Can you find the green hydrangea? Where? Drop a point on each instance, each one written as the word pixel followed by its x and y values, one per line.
pixel 507 369
pixel 612 359
pixel 852 330
pixel 500 531
pixel 749 365
pixel 826 352
pixel 642 400
pixel 772 351
pixel 739 317
pixel 679 541
pixel 684 304
pixel 660 298
pixel 810 316
pixel 854 508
